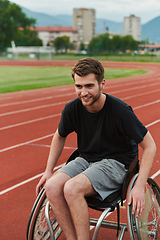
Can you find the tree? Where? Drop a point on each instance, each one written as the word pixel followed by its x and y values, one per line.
pixel 27 37
pixel 11 19
pixel 116 43
pixel 100 44
pixel 93 46
pixel 82 46
pixel 63 43
pixel 103 44
pixel 129 43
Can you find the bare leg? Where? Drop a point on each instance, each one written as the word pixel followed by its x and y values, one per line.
pixel 75 191
pixel 54 190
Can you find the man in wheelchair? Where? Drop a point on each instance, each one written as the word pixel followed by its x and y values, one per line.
pixel 108 135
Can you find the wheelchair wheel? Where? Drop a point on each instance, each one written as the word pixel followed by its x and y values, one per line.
pixel 146 226
pixel 37 228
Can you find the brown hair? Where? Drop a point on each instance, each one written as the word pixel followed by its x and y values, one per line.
pixel 89 65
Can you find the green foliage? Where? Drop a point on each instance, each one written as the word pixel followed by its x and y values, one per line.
pixel 129 43
pixel 82 46
pixel 11 19
pixel 63 43
pixel 103 44
pixel 27 37
pixel 116 43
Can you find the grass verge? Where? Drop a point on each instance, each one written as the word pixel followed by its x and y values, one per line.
pixel 25 78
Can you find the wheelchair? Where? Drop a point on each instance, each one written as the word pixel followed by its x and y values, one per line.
pixel 42 224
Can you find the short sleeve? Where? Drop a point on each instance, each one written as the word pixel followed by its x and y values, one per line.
pixel 65 126
pixel 132 126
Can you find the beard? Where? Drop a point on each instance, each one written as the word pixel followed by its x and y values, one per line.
pixel 87 102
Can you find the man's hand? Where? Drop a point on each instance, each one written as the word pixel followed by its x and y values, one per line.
pixel 42 181
pixel 137 198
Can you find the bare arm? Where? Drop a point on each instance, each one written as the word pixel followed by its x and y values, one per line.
pixel 54 154
pixel 137 195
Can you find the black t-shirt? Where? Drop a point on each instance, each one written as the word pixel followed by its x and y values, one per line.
pixel 113 132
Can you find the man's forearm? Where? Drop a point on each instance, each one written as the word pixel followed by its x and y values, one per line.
pixel 149 150
pixel 55 151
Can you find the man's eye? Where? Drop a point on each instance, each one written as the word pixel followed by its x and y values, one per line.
pixel 78 86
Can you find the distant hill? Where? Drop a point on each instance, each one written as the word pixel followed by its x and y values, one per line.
pixel 43 19
pixel 150 30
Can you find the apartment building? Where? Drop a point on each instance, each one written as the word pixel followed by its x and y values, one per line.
pixel 85 21
pixel 132 26
pixel 48 34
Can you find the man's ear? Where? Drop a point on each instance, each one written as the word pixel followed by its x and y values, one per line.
pixel 103 83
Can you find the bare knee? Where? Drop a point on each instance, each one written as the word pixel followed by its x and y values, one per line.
pixel 54 186
pixel 72 190
pixel 78 188
pixel 51 188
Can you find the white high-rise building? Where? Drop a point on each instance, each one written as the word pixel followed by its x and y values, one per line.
pixel 84 21
pixel 132 26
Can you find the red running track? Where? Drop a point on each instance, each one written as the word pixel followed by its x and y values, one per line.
pixel 28 120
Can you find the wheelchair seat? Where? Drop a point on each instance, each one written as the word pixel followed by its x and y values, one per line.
pixel 43 225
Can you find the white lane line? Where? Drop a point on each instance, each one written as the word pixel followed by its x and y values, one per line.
pixel 147 104
pixel 25 143
pixel 48 146
pixel 140 94
pixel 134 88
pixel 59 103
pixel 156 174
pixel 39 175
pixel 30 121
pixel 34 100
pixel 55 115
pixel 62 95
pixel 37 139
pixel 153 123
pixel 31 109
pixel 25 182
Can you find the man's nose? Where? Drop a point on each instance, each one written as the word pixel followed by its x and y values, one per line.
pixel 84 91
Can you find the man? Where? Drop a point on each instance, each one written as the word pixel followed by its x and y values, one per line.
pixel 108 135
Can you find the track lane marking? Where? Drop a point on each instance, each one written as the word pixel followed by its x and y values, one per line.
pixel 31 109
pixel 135 88
pixel 25 182
pixel 55 115
pixel 26 143
pixel 40 174
pixel 140 94
pixel 34 100
pixel 62 95
pixel 147 104
pixel 30 121
pixel 49 135
pixel 59 103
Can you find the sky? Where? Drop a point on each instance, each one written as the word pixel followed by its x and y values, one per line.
pixel 114 10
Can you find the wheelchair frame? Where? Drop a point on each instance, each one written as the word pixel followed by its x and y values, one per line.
pixel 41 213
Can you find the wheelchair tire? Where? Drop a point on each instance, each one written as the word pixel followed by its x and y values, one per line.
pixel 37 228
pixel 146 226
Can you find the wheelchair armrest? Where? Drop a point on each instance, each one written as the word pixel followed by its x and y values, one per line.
pixel 133 169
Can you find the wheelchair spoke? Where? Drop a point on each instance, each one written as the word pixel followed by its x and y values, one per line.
pixel 146 226
pixel 38 227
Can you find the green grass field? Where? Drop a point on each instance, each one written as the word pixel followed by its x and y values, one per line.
pixel 25 78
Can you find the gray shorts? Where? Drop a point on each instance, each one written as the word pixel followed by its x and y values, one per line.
pixel 106 176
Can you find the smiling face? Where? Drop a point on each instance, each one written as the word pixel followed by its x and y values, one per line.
pixel 89 91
